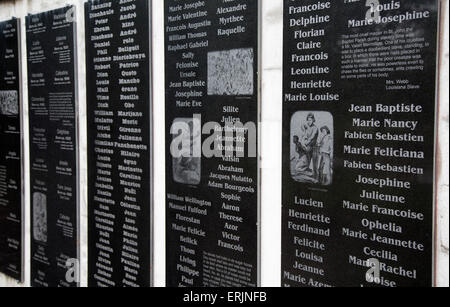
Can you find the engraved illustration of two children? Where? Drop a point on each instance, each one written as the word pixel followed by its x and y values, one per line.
pixel 315 149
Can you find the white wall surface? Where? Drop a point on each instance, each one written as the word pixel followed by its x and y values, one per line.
pixel 443 157
pixel 271 138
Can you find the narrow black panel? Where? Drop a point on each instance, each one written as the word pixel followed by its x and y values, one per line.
pixel 359 142
pixel 52 95
pixel 119 142
pixel 212 91
pixel 11 222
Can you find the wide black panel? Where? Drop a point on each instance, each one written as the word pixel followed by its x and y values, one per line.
pixel 10 151
pixel 119 142
pixel 51 57
pixel 359 142
pixel 211 57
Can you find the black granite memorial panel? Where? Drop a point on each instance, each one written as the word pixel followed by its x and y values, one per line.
pixel 212 113
pixel 359 101
pixel 54 193
pixel 119 142
pixel 11 187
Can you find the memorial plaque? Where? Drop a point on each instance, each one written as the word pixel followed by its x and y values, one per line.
pixel 119 142
pixel 212 112
pixel 359 142
pixel 11 243
pixel 52 84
